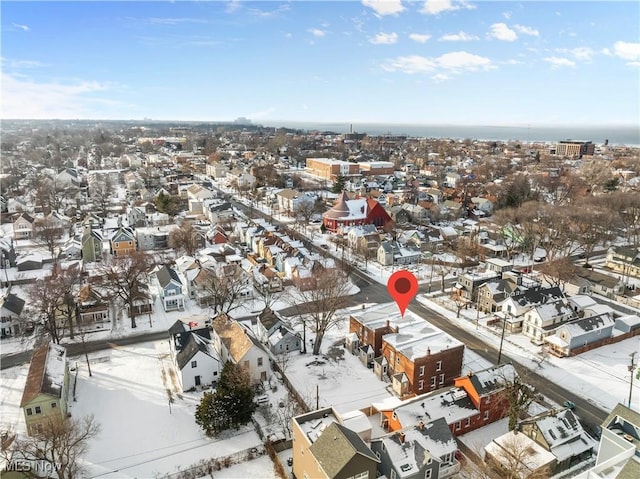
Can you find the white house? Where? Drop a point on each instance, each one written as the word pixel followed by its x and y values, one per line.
pixel 234 343
pixel 193 355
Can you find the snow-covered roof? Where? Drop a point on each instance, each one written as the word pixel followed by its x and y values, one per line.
pixel 46 373
pixel 536 458
pixel 420 340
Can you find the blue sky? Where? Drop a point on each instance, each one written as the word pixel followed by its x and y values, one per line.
pixel 427 62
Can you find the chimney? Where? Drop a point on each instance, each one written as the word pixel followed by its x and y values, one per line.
pixel 388 323
pixel 401 437
pixel 428 351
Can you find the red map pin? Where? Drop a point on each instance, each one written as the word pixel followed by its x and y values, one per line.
pixel 402 286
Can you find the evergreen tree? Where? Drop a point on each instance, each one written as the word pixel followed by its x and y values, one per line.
pixel 338 185
pixel 231 405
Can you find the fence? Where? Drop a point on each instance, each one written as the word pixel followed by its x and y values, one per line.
pixel 210 466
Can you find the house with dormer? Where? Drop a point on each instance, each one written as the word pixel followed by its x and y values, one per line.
pixel 580 333
pixel 517 305
pixel 560 433
pixel 11 308
pixel 424 451
pixel 194 356
pixel 544 319
pixel 92 305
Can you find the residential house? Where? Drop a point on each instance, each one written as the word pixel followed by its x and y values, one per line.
pixel 7 253
pixel 562 435
pixel 92 305
pixel 91 243
pixel 544 319
pixel 421 358
pixel 573 337
pixel 47 386
pixel 23 226
pixel 67 178
pixel 425 451
pixel 11 307
pixel 216 170
pixel 587 281
pixel 194 356
pixel 392 252
pixel 284 340
pixel 517 305
pixel 323 448
pixel 289 200
pixel 170 289
pixel 153 237
pixel 493 293
pixel 469 282
pixel 399 215
pixel 537 462
pixel 624 260
pixel 486 391
pixel 234 343
pixel 123 241
pixel 619 447
pixel 266 323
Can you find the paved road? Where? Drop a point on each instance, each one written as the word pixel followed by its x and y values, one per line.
pixel 75 349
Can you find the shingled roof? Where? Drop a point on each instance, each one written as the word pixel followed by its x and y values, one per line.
pixel 46 373
pixel 337 446
pixel 166 274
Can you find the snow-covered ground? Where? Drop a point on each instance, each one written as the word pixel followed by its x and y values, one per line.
pixel 600 375
pixel 141 433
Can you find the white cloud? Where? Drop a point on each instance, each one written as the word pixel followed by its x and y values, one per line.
pixel 233 6
pixel 316 32
pixel 457 37
pixel 419 37
pixel 438 77
pixel 12 64
pixel 384 39
pixel 627 51
pixel 384 7
pixel 501 31
pixel 24 28
pixel 560 62
pixel 26 98
pixel 434 7
pixel 506 15
pixel 526 30
pixel 582 53
pixel 449 63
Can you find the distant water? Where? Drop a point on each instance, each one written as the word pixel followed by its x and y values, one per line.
pixel 622 135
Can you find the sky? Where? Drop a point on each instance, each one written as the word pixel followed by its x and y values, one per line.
pixel 391 61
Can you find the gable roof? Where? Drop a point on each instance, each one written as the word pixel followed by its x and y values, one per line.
pixel 233 336
pixel 166 274
pixel 46 373
pixel 13 303
pixel 193 344
pixel 337 446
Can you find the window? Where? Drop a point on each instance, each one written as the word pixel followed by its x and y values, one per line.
pixel 29 411
pixel 421 370
pixel 486 415
pixel 439 366
pixel 420 385
pixel 54 405
pixel 427 473
pixel 194 364
pixel 467 422
pixel 393 474
pixel 259 361
pixel 362 475
pixel 38 410
pixel 433 382
pixel 458 426
pixel 442 379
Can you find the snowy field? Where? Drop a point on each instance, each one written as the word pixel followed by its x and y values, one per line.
pixel 128 394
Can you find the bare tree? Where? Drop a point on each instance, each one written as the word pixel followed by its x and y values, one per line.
pixel 47 233
pixel 557 272
pixel 126 277
pixel 318 306
pixel 515 459
pixel 66 282
pixel 304 211
pixel 45 299
pixel 517 395
pixel 222 288
pixel 591 226
pixel 58 447
pixel 101 194
pixel 627 207
pixel 185 237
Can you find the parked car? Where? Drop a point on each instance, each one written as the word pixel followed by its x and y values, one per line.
pixel 569 405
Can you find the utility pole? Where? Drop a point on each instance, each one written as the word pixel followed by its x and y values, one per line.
pixel 632 368
pixel 504 324
pixel 317 397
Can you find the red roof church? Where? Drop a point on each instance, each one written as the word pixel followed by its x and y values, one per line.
pixel 359 211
